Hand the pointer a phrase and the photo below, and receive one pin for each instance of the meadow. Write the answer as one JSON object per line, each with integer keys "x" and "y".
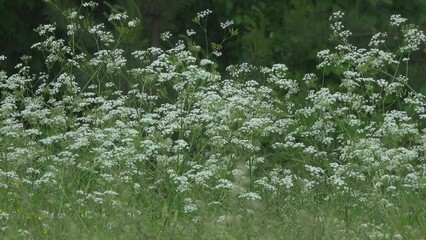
{"x": 158, "y": 143}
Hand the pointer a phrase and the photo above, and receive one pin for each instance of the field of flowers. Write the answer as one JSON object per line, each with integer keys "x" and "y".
{"x": 168, "y": 147}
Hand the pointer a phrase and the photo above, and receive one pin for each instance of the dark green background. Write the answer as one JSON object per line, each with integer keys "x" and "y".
{"x": 271, "y": 31}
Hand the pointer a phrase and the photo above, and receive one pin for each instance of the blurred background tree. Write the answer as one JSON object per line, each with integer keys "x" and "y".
{"x": 17, "y": 21}
{"x": 271, "y": 31}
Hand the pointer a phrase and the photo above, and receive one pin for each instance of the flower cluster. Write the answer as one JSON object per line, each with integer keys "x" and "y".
{"x": 195, "y": 141}
{"x": 204, "y": 13}
{"x": 226, "y": 24}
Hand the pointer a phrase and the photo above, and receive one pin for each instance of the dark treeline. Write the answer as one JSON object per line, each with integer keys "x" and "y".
{"x": 271, "y": 31}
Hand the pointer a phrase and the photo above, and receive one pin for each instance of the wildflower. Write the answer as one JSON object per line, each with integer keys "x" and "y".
{"x": 412, "y": 39}
{"x": 240, "y": 70}
{"x": 337, "y": 26}
{"x": 90, "y": 4}
{"x": 190, "y": 32}
{"x": 327, "y": 58}
{"x": 133, "y": 23}
{"x": 396, "y": 20}
{"x": 226, "y": 24}
{"x": 165, "y": 36}
{"x": 98, "y": 30}
{"x": 72, "y": 15}
{"x": 204, "y": 13}
{"x": 71, "y": 29}
{"x": 250, "y": 196}
{"x": 377, "y": 39}
{"x": 46, "y": 28}
{"x": 205, "y": 62}
{"x": 309, "y": 78}
{"x": 180, "y": 145}
{"x": 118, "y": 16}
{"x": 316, "y": 172}
{"x": 113, "y": 59}
{"x": 217, "y": 53}
{"x": 189, "y": 206}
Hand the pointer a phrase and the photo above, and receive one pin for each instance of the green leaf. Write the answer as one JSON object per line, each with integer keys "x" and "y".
{"x": 373, "y": 2}
{"x": 390, "y": 2}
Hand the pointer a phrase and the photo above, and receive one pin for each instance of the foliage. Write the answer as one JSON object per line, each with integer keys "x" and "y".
{"x": 270, "y": 31}
{"x": 168, "y": 147}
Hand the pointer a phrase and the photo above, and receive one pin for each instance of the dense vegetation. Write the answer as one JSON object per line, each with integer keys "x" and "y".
{"x": 110, "y": 141}
{"x": 270, "y": 31}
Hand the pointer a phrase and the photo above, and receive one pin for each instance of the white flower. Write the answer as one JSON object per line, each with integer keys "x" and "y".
{"x": 190, "y": 32}
{"x": 189, "y": 206}
{"x": 113, "y": 59}
{"x": 250, "y": 196}
{"x": 90, "y": 4}
{"x": 204, "y": 13}
{"x": 309, "y": 78}
{"x": 377, "y": 39}
{"x": 217, "y": 53}
{"x": 118, "y": 16}
{"x": 412, "y": 39}
{"x": 337, "y": 15}
{"x": 226, "y": 24}
{"x": 98, "y": 30}
{"x": 72, "y": 15}
{"x": 316, "y": 172}
{"x": 396, "y": 20}
{"x": 46, "y": 28}
{"x": 205, "y": 62}
{"x": 180, "y": 145}
{"x": 166, "y": 36}
{"x": 133, "y": 22}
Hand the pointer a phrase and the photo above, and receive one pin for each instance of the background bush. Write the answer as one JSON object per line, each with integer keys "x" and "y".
{"x": 270, "y": 31}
